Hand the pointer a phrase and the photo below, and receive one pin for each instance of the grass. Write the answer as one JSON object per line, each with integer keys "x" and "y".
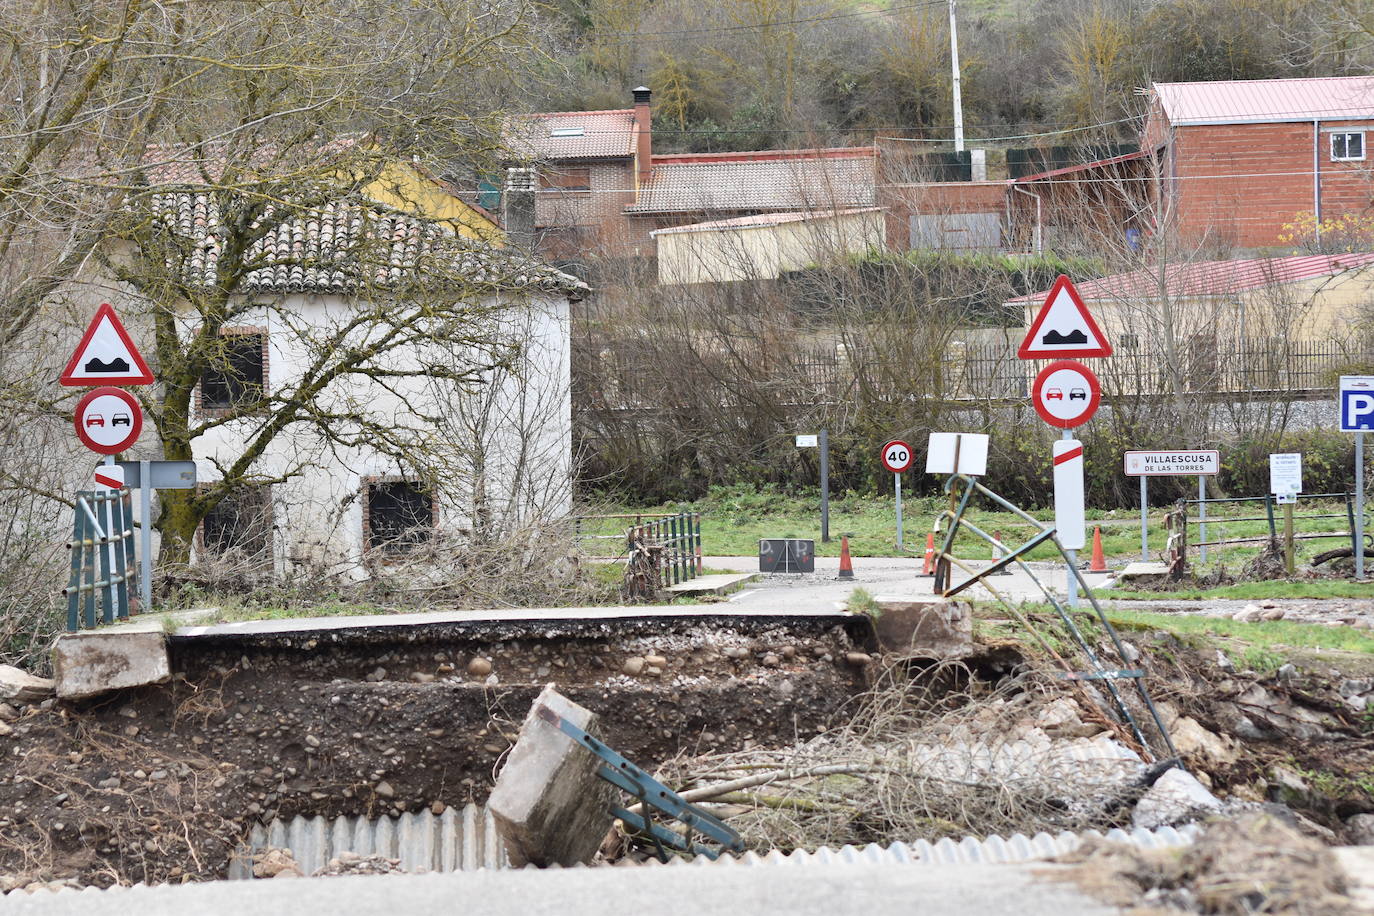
{"x": 735, "y": 518}
{"x": 1265, "y": 634}
{"x": 862, "y": 602}
{"x": 1278, "y": 588}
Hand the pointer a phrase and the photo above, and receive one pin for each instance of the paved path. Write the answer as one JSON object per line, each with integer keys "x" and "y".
{"x": 881, "y": 577}
{"x": 825, "y": 890}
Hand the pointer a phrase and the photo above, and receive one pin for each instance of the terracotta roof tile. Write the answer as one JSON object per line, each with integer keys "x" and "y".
{"x": 573, "y": 134}
{"x": 346, "y": 247}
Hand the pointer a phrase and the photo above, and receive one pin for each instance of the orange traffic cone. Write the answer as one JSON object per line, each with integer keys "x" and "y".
{"x": 1099, "y": 563}
{"x": 928, "y": 565}
{"x": 846, "y": 564}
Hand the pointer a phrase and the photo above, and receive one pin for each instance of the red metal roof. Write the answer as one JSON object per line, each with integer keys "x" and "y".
{"x": 1257, "y": 101}
{"x": 1214, "y": 278}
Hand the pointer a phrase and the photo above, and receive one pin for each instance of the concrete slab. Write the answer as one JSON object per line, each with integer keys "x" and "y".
{"x": 928, "y": 627}
{"x": 98, "y": 661}
{"x": 717, "y": 584}
{"x": 549, "y": 804}
{"x": 1142, "y": 571}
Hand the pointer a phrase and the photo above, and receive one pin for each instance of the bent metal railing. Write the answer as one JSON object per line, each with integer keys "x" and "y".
{"x": 103, "y": 566}
{"x": 659, "y": 550}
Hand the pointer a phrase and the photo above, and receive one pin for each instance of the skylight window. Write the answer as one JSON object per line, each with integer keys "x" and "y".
{"x": 568, "y": 132}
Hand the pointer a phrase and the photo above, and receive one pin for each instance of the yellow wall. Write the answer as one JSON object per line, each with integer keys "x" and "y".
{"x": 763, "y": 252}
{"x": 407, "y": 189}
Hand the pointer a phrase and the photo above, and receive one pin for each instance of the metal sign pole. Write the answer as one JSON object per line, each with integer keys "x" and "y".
{"x": 1144, "y": 519}
{"x": 145, "y": 536}
{"x": 898, "y": 479}
{"x": 825, "y": 486}
{"x": 1071, "y": 578}
{"x": 1202, "y": 518}
{"x": 1359, "y": 505}
{"x": 114, "y": 607}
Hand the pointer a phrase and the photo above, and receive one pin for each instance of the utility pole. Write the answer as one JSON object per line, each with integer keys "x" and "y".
{"x": 954, "y": 67}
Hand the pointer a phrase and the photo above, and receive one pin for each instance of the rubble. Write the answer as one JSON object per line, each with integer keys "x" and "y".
{"x": 22, "y": 687}
{"x": 1176, "y": 798}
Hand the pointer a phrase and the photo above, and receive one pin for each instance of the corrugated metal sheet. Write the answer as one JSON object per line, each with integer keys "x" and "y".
{"x": 457, "y": 840}
{"x": 821, "y": 181}
{"x": 469, "y": 842}
{"x": 1260, "y": 101}
{"x": 995, "y": 850}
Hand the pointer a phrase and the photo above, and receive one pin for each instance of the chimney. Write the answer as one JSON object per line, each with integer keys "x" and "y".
{"x": 518, "y": 208}
{"x": 644, "y": 136}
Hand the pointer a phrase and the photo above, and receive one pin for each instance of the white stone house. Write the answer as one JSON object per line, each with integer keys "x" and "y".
{"x": 399, "y": 453}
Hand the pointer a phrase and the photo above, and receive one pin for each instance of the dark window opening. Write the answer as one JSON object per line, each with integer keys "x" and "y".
{"x": 568, "y": 178}
{"x": 1130, "y": 341}
{"x": 236, "y": 374}
{"x": 400, "y": 515}
{"x": 242, "y": 522}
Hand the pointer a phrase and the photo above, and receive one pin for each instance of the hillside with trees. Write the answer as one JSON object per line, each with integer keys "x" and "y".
{"x": 770, "y": 74}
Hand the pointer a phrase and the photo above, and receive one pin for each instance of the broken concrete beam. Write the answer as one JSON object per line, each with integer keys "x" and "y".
{"x": 930, "y": 627}
{"x": 22, "y": 687}
{"x": 1143, "y": 573}
{"x": 89, "y": 664}
{"x": 550, "y": 806}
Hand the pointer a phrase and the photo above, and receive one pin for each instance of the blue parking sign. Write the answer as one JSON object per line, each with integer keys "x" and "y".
{"x": 1357, "y": 403}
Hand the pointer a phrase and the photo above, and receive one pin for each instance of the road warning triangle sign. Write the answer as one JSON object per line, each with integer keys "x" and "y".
{"x": 106, "y": 355}
{"x": 1063, "y": 327}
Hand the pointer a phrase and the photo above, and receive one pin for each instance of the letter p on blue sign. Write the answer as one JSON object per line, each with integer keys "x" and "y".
{"x": 1357, "y": 403}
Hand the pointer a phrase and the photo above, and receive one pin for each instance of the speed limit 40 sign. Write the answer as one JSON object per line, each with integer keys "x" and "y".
{"x": 897, "y": 456}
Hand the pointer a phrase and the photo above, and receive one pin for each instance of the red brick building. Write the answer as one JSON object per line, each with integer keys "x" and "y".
{"x": 1239, "y": 159}
{"x": 602, "y": 189}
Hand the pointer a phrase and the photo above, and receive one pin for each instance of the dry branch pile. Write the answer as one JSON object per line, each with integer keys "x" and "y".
{"x": 921, "y": 761}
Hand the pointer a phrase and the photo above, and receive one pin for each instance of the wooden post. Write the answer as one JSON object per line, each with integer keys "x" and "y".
{"x": 1288, "y": 558}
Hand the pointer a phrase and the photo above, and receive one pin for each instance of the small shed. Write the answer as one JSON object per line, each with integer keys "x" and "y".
{"x": 764, "y": 245}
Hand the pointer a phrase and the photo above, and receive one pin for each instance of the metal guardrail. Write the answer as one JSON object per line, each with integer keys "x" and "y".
{"x": 103, "y": 563}
{"x": 658, "y": 550}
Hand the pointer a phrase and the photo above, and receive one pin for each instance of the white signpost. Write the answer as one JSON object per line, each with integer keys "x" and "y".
{"x": 1285, "y": 474}
{"x": 897, "y": 457}
{"x": 1066, "y": 394}
{"x": 1357, "y": 416}
{"x": 108, "y": 420}
{"x": 1285, "y": 482}
{"x": 821, "y": 441}
{"x": 1069, "y": 507}
{"x": 1144, "y": 464}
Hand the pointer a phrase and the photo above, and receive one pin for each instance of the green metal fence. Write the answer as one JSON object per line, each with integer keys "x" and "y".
{"x": 672, "y": 541}
{"x": 103, "y": 563}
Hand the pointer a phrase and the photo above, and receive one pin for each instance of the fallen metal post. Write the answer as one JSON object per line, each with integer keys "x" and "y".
{"x": 1047, "y": 534}
{"x": 652, "y": 794}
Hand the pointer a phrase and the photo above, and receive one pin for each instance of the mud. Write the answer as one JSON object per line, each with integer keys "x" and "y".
{"x": 160, "y": 784}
